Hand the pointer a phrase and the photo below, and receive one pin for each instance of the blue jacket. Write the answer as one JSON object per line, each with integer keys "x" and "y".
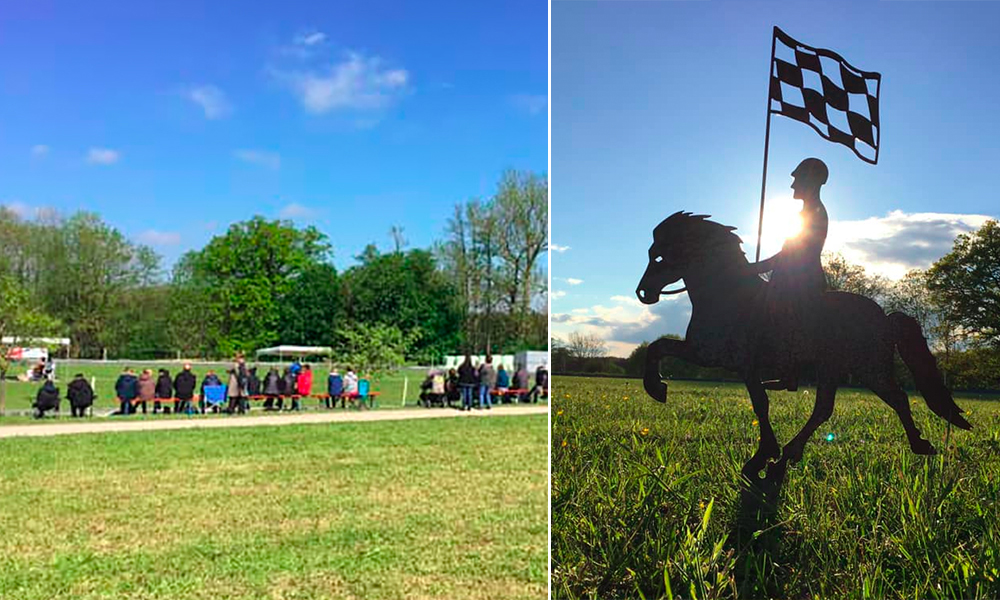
{"x": 335, "y": 385}
{"x": 503, "y": 380}
{"x": 127, "y": 386}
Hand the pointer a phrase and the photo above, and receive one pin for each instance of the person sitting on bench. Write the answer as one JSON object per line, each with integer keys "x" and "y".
{"x": 164, "y": 391}
{"x": 147, "y": 389}
{"x": 46, "y": 399}
{"x": 503, "y": 383}
{"x": 272, "y": 388}
{"x": 350, "y": 383}
{"x": 127, "y": 390}
{"x": 184, "y": 385}
{"x": 80, "y": 395}
{"x": 334, "y": 389}
{"x": 210, "y": 379}
{"x": 303, "y": 385}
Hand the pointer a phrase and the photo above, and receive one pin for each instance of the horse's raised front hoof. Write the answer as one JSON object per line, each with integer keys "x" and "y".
{"x": 922, "y": 446}
{"x": 656, "y": 389}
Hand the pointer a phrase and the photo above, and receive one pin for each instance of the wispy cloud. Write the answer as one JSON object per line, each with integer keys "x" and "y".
{"x": 310, "y": 39}
{"x": 296, "y": 211}
{"x": 556, "y": 294}
{"x": 305, "y": 45}
{"x": 103, "y": 156}
{"x": 573, "y": 281}
{"x": 558, "y": 248}
{"x": 212, "y": 100}
{"x": 152, "y": 237}
{"x": 263, "y": 158}
{"x": 358, "y": 82}
{"x": 532, "y": 104}
{"x": 39, "y": 150}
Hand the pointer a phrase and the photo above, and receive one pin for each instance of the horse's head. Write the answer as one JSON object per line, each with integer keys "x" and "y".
{"x": 680, "y": 242}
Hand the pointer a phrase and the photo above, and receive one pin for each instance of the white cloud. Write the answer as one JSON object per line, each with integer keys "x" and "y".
{"x": 263, "y": 158}
{"x": 532, "y": 104}
{"x": 556, "y": 294}
{"x": 39, "y": 150}
{"x": 310, "y": 39}
{"x": 296, "y": 210}
{"x": 573, "y": 281}
{"x": 152, "y": 237}
{"x": 358, "y": 82}
{"x": 103, "y": 156}
{"x": 626, "y": 323}
{"x": 211, "y": 99}
{"x": 899, "y": 241}
{"x": 558, "y": 248}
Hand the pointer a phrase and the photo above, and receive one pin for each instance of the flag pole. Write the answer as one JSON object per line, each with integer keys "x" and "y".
{"x": 767, "y": 139}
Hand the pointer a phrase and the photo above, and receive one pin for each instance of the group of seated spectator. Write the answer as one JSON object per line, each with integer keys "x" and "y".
{"x": 483, "y": 383}
{"x": 241, "y": 384}
{"x": 79, "y": 393}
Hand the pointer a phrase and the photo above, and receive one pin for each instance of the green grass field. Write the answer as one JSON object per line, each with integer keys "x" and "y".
{"x": 20, "y": 395}
{"x": 452, "y": 508}
{"x": 646, "y": 498}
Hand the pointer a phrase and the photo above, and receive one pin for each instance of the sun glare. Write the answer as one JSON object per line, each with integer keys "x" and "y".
{"x": 781, "y": 222}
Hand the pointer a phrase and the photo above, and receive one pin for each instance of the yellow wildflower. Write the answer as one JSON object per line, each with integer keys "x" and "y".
{"x": 564, "y": 444}
{"x": 558, "y": 412}
{"x": 645, "y": 430}
{"x": 754, "y": 423}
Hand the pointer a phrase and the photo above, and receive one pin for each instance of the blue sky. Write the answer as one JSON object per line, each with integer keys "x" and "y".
{"x": 173, "y": 119}
{"x": 659, "y": 107}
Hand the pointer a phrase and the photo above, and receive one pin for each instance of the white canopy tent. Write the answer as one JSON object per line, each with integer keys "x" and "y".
{"x": 295, "y": 351}
{"x": 32, "y": 348}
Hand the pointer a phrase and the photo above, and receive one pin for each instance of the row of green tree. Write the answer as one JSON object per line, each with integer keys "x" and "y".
{"x": 956, "y": 301}
{"x": 267, "y": 282}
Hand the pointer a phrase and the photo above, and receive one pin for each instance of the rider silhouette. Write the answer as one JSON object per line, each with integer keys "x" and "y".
{"x": 797, "y": 277}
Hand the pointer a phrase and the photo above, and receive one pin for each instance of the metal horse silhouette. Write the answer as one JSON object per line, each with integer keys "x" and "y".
{"x": 755, "y": 327}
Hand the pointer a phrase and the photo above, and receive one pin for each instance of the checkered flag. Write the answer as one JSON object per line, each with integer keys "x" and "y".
{"x": 820, "y": 88}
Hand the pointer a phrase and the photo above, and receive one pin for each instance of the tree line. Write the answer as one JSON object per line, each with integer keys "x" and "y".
{"x": 267, "y": 282}
{"x": 956, "y": 301}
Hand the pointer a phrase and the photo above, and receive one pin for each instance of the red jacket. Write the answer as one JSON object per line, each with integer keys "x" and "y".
{"x": 305, "y": 382}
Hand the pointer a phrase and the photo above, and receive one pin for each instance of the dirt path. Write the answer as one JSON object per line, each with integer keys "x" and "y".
{"x": 238, "y": 421}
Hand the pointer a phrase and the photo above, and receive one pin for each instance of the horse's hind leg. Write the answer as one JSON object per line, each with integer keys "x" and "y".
{"x": 768, "y": 447}
{"x": 894, "y": 396}
{"x": 822, "y": 410}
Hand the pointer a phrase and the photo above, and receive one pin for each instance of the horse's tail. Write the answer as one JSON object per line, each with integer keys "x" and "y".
{"x": 913, "y": 348}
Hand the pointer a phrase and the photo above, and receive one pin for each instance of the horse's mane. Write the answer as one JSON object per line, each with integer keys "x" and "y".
{"x": 685, "y": 227}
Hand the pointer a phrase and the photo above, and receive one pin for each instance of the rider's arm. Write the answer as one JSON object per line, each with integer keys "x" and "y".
{"x": 765, "y": 265}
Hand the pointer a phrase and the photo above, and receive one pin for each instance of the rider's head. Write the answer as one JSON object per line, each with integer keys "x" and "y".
{"x": 809, "y": 176}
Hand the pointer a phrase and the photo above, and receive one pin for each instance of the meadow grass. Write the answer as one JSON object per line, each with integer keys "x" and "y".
{"x": 646, "y": 498}
{"x": 20, "y": 395}
{"x": 451, "y": 508}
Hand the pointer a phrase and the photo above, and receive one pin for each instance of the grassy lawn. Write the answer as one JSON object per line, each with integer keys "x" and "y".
{"x": 420, "y": 509}
{"x": 646, "y": 498}
{"x": 20, "y": 395}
